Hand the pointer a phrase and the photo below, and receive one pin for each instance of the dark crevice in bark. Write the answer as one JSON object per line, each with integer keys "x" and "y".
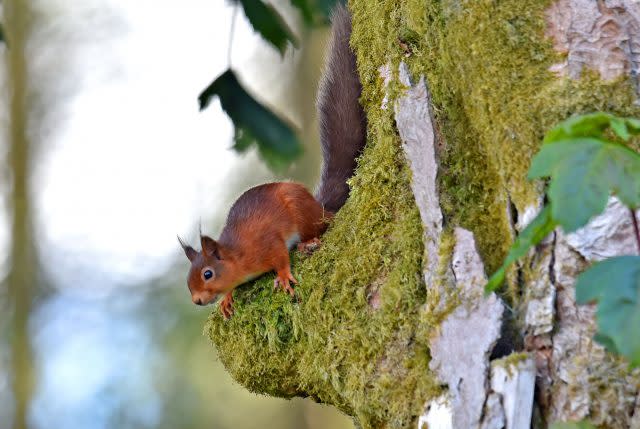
{"x": 636, "y": 229}
{"x": 509, "y": 340}
{"x": 513, "y": 213}
{"x": 552, "y": 260}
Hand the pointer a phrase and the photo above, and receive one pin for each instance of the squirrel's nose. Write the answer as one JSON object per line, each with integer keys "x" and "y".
{"x": 197, "y": 301}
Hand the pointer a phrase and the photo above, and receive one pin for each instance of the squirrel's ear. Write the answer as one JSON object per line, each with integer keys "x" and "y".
{"x": 209, "y": 246}
{"x": 188, "y": 250}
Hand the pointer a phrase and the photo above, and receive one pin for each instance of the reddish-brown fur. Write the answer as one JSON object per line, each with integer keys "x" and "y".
{"x": 264, "y": 218}
{"x": 254, "y": 241}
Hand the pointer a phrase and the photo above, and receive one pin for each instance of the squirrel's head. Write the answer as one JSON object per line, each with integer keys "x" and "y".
{"x": 206, "y": 279}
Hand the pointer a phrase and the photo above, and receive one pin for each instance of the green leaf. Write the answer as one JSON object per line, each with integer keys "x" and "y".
{"x": 619, "y": 126}
{"x": 593, "y": 125}
{"x": 533, "y": 234}
{"x": 634, "y": 124}
{"x": 2, "y": 39}
{"x": 615, "y": 285}
{"x": 589, "y": 125}
{"x": 572, "y": 425}
{"x": 305, "y": 8}
{"x": 316, "y": 11}
{"x": 277, "y": 143}
{"x": 268, "y": 23}
{"x": 584, "y": 172}
{"x": 550, "y": 158}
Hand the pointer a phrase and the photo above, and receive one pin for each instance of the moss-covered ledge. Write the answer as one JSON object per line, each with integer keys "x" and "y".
{"x": 358, "y": 337}
{"x": 350, "y": 339}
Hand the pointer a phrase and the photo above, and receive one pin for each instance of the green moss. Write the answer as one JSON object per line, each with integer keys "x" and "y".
{"x": 442, "y": 298}
{"x": 607, "y": 384}
{"x": 486, "y": 63}
{"x": 332, "y": 345}
{"x": 510, "y": 362}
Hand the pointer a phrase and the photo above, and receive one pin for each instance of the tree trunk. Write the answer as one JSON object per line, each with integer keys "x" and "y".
{"x": 21, "y": 278}
{"x": 458, "y": 96}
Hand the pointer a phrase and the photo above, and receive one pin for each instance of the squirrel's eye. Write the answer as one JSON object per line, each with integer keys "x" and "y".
{"x": 208, "y": 274}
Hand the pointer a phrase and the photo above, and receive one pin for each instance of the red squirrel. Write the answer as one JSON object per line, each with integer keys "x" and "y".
{"x": 268, "y": 220}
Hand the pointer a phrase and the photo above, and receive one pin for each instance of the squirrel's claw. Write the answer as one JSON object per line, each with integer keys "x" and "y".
{"x": 226, "y": 306}
{"x": 283, "y": 280}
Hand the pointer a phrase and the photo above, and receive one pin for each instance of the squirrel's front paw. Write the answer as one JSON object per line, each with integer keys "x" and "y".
{"x": 282, "y": 280}
{"x": 226, "y": 306}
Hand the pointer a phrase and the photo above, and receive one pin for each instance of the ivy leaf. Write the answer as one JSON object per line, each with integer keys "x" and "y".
{"x": 572, "y": 425}
{"x": 615, "y": 285}
{"x": 268, "y": 23}
{"x": 533, "y": 234}
{"x": 277, "y": 143}
{"x": 584, "y": 171}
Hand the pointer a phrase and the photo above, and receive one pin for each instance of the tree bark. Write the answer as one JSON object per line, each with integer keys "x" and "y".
{"x": 574, "y": 377}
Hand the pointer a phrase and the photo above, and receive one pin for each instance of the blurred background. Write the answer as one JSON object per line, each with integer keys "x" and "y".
{"x": 105, "y": 158}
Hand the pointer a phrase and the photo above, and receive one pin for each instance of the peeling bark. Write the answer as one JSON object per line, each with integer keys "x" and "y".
{"x": 416, "y": 128}
{"x": 514, "y": 382}
{"x": 606, "y": 235}
{"x": 587, "y": 382}
{"x": 493, "y": 413}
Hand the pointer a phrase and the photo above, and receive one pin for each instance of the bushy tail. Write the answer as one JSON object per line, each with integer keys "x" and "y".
{"x": 343, "y": 124}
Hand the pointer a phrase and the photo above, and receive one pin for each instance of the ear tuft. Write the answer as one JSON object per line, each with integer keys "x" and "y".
{"x": 209, "y": 246}
{"x": 188, "y": 250}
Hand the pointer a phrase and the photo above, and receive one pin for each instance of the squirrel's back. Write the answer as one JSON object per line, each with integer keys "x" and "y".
{"x": 342, "y": 120}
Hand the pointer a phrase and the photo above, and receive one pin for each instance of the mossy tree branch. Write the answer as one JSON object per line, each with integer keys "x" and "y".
{"x": 362, "y": 335}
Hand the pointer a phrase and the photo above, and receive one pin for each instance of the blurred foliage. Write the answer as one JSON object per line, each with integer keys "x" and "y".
{"x": 276, "y": 140}
{"x": 193, "y": 389}
{"x": 268, "y": 23}
{"x": 273, "y": 28}
{"x": 277, "y": 144}
{"x": 315, "y": 11}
